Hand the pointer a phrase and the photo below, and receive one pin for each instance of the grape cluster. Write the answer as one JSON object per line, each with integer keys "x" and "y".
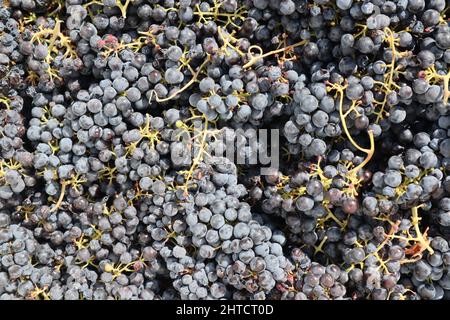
{"x": 112, "y": 113}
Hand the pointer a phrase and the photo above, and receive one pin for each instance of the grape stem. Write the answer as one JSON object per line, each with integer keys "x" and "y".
{"x": 262, "y": 55}
{"x": 61, "y": 197}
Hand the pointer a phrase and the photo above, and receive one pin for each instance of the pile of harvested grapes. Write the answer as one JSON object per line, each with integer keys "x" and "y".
{"x": 116, "y": 114}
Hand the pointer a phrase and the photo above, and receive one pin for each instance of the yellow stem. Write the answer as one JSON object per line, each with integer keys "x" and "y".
{"x": 344, "y": 125}
{"x": 391, "y": 40}
{"x": 61, "y": 197}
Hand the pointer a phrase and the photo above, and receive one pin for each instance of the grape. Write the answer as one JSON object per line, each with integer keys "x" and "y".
{"x": 241, "y": 230}
{"x": 428, "y": 160}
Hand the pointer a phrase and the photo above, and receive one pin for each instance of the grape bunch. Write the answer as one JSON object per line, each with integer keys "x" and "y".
{"x": 115, "y": 116}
